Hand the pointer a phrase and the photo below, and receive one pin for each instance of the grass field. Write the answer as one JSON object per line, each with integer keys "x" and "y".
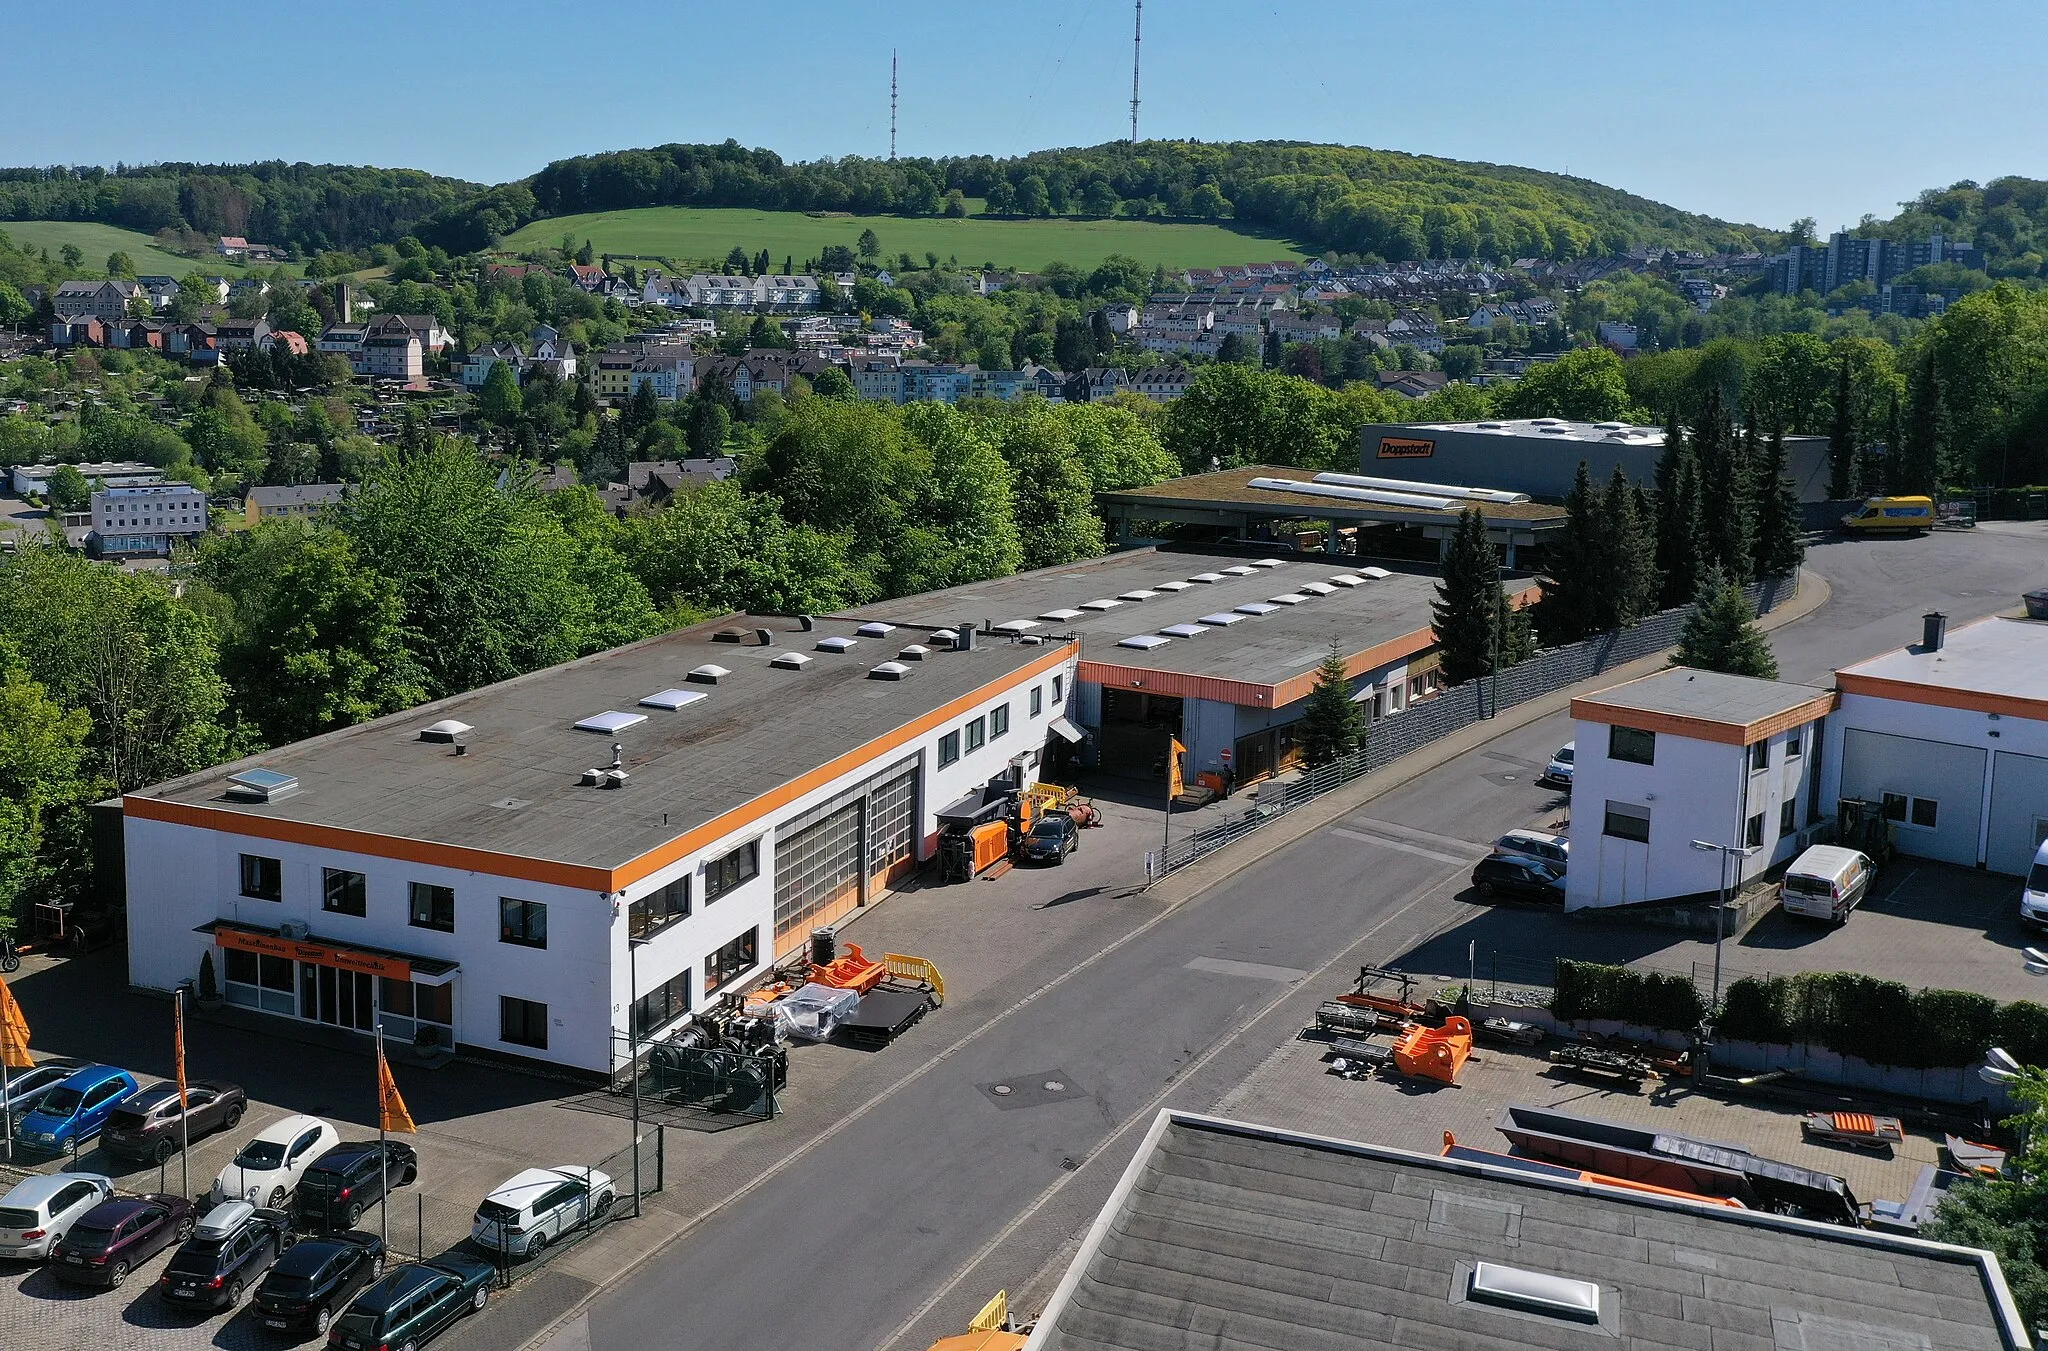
{"x": 96, "y": 241}
{"x": 711, "y": 232}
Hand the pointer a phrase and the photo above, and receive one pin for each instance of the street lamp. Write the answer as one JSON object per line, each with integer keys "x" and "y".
{"x": 1721, "y": 910}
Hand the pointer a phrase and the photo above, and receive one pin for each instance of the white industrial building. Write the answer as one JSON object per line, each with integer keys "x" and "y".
{"x": 1684, "y": 755}
{"x": 146, "y": 519}
{"x": 1951, "y": 736}
{"x": 470, "y": 872}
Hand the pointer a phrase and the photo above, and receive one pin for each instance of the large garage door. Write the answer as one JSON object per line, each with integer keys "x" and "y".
{"x": 2019, "y": 811}
{"x": 1933, "y": 791}
{"x": 818, "y": 852}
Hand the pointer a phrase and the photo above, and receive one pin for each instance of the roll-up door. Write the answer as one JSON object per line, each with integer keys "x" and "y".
{"x": 818, "y": 873}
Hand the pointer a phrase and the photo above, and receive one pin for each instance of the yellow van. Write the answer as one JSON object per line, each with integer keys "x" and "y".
{"x": 1881, "y": 514}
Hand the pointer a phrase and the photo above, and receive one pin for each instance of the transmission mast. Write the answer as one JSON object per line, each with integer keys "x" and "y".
{"x": 1137, "y": 37}
{"x": 892, "y": 105}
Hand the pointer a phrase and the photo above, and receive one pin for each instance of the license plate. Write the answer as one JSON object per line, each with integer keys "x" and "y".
{"x": 183, "y": 1290}
{"x": 74, "y": 1259}
{"x": 275, "y": 1323}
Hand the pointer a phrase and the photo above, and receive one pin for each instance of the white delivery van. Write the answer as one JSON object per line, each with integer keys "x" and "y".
{"x": 2034, "y": 897}
{"x": 1827, "y": 882}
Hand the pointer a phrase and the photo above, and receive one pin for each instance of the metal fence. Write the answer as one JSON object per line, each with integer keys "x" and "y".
{"x": 696, "y": 1086}
{"x": 1458, "y": 707}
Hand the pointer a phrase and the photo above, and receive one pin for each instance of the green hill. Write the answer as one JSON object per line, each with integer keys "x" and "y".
{"x": 97, "y": 241}
{"x": 709, "y": 232}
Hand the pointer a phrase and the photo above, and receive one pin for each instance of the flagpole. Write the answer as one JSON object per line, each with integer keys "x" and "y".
{"x": 383, "y": 1157}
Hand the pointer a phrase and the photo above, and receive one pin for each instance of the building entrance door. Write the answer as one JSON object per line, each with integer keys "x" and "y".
{"x": 338, "y": 998}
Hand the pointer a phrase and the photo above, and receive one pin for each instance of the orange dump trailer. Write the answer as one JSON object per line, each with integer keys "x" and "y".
{"x": 1434, "y": 1052}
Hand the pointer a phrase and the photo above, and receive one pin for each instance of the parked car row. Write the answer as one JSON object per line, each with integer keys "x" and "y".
{"x": 59, "y": 1105}
{"x": 1526, "y": 863}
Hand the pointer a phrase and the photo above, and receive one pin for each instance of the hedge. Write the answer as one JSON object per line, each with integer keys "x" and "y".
{"x": 1646, "y": 998}
{"x": 1882, "y": 1021}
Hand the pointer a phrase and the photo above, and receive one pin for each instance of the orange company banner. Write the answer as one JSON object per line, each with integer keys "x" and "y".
{"x": 319, "y": 954}
{"x": 1406, "y": 448}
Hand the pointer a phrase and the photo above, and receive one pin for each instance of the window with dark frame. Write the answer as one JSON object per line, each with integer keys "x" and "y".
{"x": 730, "y": 870}
{"x": 1760, "y": 755}
{"x": 1632, "y": 745}
{"x": 1626, "y": 821}
{"x": 949, "y": 749}
{"x": 1753, "y": 831}
{"x": 433, "y": 907}
{"x": 1894, "y": 806}
{"x": 1788, "y": 817}
{"x": 522, "y": 1022}
{"x": 732, "y": 961}
{"x": 977, "y": 733}
{"x": 262, "y": 878}
{"x": 663, "y": 1004}
{"x": 343, "y": 892}
{"x": 998, "y": 721}
{"x": 651, "y": 914}
{"x": 1794, "y": 743}
{"x": 1037, "y": 700}
{"x": 524, "y": 923}
{"x": 1925, "y": 812}
{"x": 1057, "y": 697}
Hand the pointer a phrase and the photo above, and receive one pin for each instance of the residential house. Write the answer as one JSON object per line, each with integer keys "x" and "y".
{"x": 1619, "y": 336}
{"x": 936, "y": 382}
{"x": 587, "y": 278}
{"x": 1096, "y": 384}
{"x": 136, "y": 333}
{"x": 243, "y": 335}
{"x": 719, "y": 293}
{"x": 1303, "y": 328}
{"x": 657, "y": 373}
{"x": 232, "y": 246}
{"x": 747, "y": 374}
{"x": 99, "y": 299}
{"x": 1163, "y": 384}
{"x": 302, "y": 500}
{"x": 394, "y": 354}
{"x": 197, "y": 343}
{"x": 555, "y": 358}
{"x": 160, "y": 290}
{"x": 477, "y": 368}
{"x": 1120, "y": 317}
{"x": 79, "y": 331}
{"x": 294, "y": 343}
{"x": 1005, "y": 385}
{"x": 33, "y": 480}
{"x": 781, "y": 295}
{"x": 615, "y": 371}
{"x": 1412, "y": 384}
{"x": 433, "y": 338}
{"x": 345, "y": 341}
{"x": 672, "y": 366}
{"x": 1048, "y": 384}
{"x": 879, "y": 378}
{"x": 145, "y": 520}
{"x": 671, "y": 292}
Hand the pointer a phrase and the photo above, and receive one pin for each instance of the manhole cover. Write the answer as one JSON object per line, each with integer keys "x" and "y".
{"x": 1032, "y": 1090}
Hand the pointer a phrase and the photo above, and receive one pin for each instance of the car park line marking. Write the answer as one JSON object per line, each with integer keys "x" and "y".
{"x": 1223, "y": 966}
{"x": 1402, "y": 845}
{"x": 1398, "y": 831}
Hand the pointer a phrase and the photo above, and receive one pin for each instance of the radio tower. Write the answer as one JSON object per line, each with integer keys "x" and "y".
{"x": 1137, "y": 37}
{"x": 892, "y": 105}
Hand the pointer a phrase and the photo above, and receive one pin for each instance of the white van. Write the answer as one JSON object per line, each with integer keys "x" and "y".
{"x": 2034, "y": 896}
{"x": 1827, "y": 882}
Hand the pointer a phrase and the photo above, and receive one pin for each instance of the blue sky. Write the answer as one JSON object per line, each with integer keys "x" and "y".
{"x": 1752, "y": 112}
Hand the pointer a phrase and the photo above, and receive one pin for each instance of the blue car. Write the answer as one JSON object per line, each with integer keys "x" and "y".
{"x": 75, "y": 1110}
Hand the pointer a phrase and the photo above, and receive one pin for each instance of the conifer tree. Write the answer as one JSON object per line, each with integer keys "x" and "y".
{"x": 1678, "y": 518}
{"x": 1894, "y": 445}
{"x": 1841, "y": 437}
{"x": 1779, "y": 549}
{"x": 1468, "y": 601}
{"x": 1629, "y": 567}
{"x": 1721, "y": 634}
{"x": 1574, "y": 585}
{"x": 1724, "y": 495}
{"x": 1331, "y": 726}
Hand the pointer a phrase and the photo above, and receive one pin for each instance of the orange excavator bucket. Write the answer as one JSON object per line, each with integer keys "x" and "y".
{"x": 1434, "y": 1052}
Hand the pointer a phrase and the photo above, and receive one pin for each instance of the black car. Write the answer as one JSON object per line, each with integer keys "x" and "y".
{"x": 233, "y": 1246}
{"x": 147, "y": 1127}
{"x": 350, "y": 1178}
{"x": 115, "y": 1237}
{"x": 411, "y": 1305}
{"x": 1509, "y": 875}
{"x": 312, "y": 1282}
{"x": 1052, "y": 839}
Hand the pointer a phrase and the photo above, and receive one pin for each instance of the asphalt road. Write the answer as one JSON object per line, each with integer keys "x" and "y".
{"x": 913, "y": 1211}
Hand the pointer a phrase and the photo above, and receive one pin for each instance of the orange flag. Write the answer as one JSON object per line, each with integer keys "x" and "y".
{"x": 391, "y": 1107}
{"x": 178, "y": 1024}
{"x": 13, "y": 1033}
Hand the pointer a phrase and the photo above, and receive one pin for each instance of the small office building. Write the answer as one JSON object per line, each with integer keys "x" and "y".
{"x": 1950, "y": 734}
{"x": 1540, "y": 456}
{"x": 473, "y": 871}
{"x": 1216, "y": 650}
{"x": 1683, "y": 755}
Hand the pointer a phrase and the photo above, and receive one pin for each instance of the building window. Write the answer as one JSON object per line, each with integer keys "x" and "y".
{"x": 949, "y": 749}
{"x": 1631, "y": 744}
{"x": 649, "y": 915}
{"x": 1924, "y": 812}
{"x": 433, "y": 907}
{"x": 1626, "y": 821}
{"x": 1760, "y": 755}
{"x": 262, "y": 878}
{"x": 977, "y": 733}
{"x": 998, "y": 721}
{"x": 1788, "y": 817}
{"x": 723, "y": 874}
{"x": 1794, "y": 742}
{"x": 522, "y": 922}
{"x": 732, "y": 961}
{"x": 662, "y": 1005}
{"x": 1057, "y": 697}
{"x": 1911, "y": 811}
{"x": 1753, "y": 832}
{"x": 343, "y": 892}
{"x": 1037, "y": 700}
{"x": 523, "y": 1022}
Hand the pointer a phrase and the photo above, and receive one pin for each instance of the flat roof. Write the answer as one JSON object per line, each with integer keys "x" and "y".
{"x": 1257, "y": 649}
{"x": 1229, "y": 1236}
{"x": 1230, "y": 489}
{"x": 1992, "y": 665}
{"x": 1707, "y": 705}
{"x": 513, "y": 803}
{"x": 1548, "y": 428}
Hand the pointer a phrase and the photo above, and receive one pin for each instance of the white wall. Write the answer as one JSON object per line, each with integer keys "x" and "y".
{"x": 1695, "y": 791}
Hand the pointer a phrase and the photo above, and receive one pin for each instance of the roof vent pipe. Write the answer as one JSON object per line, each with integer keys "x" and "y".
{"x": 763, "y": 637}
{"x": 618, "y": 755}
{"x": 965, "y": 642}
{"x": 1933, "y": 629}
{"x": 806, "y": 623}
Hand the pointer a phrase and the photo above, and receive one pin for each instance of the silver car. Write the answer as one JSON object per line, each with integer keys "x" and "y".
{"x": 40, "y": 1210}
{"x": 535, "y": 1207}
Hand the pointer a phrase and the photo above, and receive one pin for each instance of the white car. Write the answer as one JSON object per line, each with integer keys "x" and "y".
{"x": 1559, "y": 770}
{"x": 42, "y": 1209}
{"x": 1555, "y": 850}
{"x": 269, "y": 1167}
{"x": 526, "y": 1213}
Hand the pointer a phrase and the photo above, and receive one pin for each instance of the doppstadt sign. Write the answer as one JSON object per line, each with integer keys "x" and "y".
{"x": 1405, "y": 448}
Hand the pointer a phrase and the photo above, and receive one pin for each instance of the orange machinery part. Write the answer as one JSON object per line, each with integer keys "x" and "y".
{"x": 1434, "y": 1052}
{"x": 991, "y": 844}
{"x": 851, "y": 970}
{"x": 1625, "y": 1184}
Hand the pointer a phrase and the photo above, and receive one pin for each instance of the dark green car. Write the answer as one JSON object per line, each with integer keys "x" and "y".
{"x": 413, "y": 1304}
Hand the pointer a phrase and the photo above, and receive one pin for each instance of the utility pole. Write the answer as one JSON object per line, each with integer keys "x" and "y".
{"x": 1137, "y": 38}
{"x": 892, "y": 105}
